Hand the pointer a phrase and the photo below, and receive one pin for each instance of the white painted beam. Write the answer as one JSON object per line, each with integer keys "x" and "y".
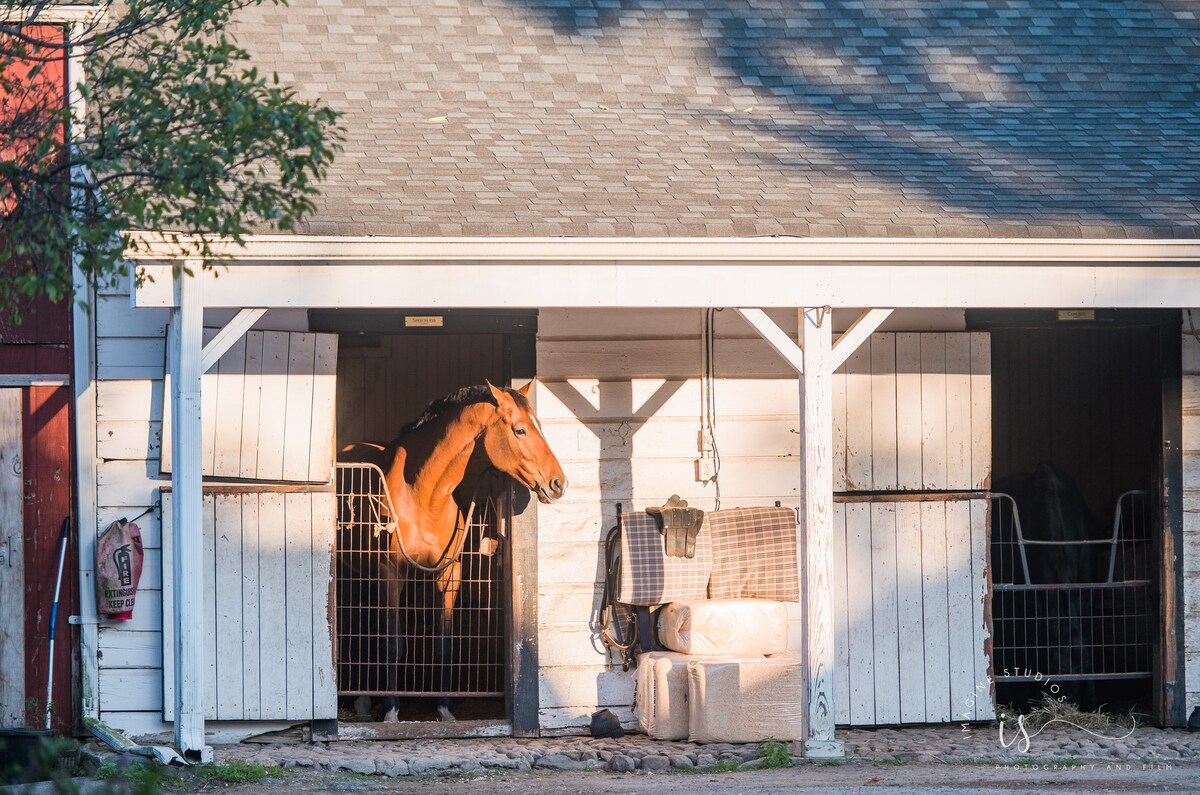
{"x": 187, "y": 518}
{"x": 816, "y": 530}
{"x": 148, "y": 246}
{"x": 671, "y": 284}
{"x": 776, "y": 337}
{"x": 229, "y": 334}
{"x": 857, "y": 334}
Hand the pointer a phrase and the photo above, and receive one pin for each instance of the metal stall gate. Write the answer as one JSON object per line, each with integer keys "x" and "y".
{"x": 468, "y": 662}
{"x": 1072, "y": 610}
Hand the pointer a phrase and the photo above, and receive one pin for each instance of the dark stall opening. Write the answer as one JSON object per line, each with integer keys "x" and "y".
{"x": 1076, "y": 520}
{"x": 396, "y": 667}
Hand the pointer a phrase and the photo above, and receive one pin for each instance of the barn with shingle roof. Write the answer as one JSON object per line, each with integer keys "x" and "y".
{"x": 865, "y": 260}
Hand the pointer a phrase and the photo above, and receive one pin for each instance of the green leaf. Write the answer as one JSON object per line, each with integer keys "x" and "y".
{"x": 183, "y": 134}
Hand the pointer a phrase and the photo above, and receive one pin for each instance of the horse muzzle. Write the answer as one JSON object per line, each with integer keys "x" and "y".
{"x": 552, "y": 491}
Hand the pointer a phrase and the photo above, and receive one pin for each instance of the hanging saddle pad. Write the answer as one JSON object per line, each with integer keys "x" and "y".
{"x": 753, "y": 554}
{"x": 649, "y": 576}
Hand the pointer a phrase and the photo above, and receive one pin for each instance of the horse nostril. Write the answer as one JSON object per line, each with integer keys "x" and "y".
{"x": 558, "y": 486}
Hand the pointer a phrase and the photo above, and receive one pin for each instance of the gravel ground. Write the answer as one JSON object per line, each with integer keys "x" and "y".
{"x": 942, "y": 760}
{"x": 944, "y": 744}
{"x": 1063, "y": 747}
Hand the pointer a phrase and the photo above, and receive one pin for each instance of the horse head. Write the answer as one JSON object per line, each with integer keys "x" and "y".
{"x": 515, "y": 445}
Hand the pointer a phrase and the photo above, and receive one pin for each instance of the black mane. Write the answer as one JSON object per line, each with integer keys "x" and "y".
{"x": 465, "y": 396}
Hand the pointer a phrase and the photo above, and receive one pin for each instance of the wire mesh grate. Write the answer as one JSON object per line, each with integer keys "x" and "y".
{"x": 1072, "y": 610}
{"x": 390, "y": 638}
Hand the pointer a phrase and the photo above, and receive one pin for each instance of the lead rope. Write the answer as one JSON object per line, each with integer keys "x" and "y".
{"x": 611, "y": 631}
{"x": 460, "y": 532}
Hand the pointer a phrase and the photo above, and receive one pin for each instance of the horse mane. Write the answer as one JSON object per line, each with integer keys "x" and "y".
{"x": 465, "y": 396}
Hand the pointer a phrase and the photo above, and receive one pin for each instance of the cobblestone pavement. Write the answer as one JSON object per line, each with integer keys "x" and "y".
{"x": 949, "y": 744}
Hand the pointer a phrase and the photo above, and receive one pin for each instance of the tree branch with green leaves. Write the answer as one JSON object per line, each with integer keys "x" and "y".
{"x": 182, "y": 134}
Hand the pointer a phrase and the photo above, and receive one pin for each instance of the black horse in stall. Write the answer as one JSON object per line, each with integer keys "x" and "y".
{"x": 1050, "y": 631}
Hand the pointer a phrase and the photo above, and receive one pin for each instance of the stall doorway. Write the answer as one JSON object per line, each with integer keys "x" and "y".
{"x": 390, "y": 367}
{"x": 1077, "y": 519}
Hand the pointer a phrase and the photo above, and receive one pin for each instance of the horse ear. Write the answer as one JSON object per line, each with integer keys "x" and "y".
{"x": 498, "y": 395}
{"x": 524, "y": 391}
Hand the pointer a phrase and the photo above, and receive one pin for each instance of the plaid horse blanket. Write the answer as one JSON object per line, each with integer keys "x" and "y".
{"x": 740, "y": 553}
{"x": 649, "y": 576}
{"x": 754, "y": 554}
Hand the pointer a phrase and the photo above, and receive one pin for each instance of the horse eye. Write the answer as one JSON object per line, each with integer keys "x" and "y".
{"x": 519, "y": 431}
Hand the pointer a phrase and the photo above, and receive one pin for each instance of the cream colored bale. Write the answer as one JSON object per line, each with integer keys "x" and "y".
{"x": 661, "y": 698}
{"x": 746, "y": 701}
{"x": 726, "y": 627}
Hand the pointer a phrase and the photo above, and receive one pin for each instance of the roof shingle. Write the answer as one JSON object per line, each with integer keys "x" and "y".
{"x": 898, "y": 118}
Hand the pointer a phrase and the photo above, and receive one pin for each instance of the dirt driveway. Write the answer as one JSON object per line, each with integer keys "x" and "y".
{"x": 867, "y": 777}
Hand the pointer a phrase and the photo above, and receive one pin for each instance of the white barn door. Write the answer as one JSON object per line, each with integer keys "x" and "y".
{"x": 268, "y": 415}
{"x": 267, "y": 409}
{"x": 912, "y": 460}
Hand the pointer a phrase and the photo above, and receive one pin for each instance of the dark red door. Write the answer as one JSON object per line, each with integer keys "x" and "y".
{"x": 46, "y": 470}
{"x": 35, "y": 360}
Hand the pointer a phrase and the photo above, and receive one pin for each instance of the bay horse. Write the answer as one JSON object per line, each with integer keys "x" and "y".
{"x": 454, "y": 440}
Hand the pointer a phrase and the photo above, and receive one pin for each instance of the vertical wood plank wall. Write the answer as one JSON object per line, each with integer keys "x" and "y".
{"x": 46, "y": 473}
{"x": 912, "y": 412}
{"x": 267, "y": 588}
{"x": 1191, "y": 506}
{"x": 619, "y": 397}
{"x": 1085, "y": 399}
{"x": 12, "y": 568}
{"x": 386, "y": 381}
{"x": 130, "y": 356}
{"x": 267, "y": 409}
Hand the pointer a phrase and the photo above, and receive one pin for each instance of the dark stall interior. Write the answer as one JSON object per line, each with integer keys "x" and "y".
{"x": 1077, "y": 429}
{"x": 391, "y": 365}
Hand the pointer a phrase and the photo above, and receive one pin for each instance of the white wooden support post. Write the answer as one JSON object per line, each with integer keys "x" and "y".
{"x": 83, "y": 384}
{"x": 816, "y": 540}
{"x": 187, "y": 516}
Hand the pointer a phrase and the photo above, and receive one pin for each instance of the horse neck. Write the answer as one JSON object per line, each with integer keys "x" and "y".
{"x": 438, "y": 454}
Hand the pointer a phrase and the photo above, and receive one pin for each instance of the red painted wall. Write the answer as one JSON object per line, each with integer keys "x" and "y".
{"x": 46, "y": 467}
{"x": 41, "y": 345}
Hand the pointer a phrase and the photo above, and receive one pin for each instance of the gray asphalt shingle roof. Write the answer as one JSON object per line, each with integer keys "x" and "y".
{"x": 952, "y": 118}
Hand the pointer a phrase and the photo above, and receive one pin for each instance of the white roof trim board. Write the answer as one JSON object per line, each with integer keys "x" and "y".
{"x": 296, "y": 271}
{"x": 157, "y": 246}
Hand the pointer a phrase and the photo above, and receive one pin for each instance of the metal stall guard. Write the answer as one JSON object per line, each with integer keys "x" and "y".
{"x": 371, "y": 627}
{"x": 1072, "y": 610}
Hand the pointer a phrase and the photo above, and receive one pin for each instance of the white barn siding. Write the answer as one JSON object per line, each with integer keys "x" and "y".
{"x": 619, "y": 397}
{"x": 130, "y": 349}
{"x": 130, "y": 356}
{"x": 1191, "y": 506}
